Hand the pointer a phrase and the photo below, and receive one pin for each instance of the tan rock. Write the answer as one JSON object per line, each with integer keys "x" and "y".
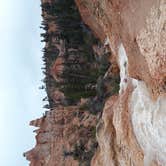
{"x": 131, "y": 131}
{"x": 59, "y": 130}
{"x": 57, "y": 68}
{"x": 138, "y": 27}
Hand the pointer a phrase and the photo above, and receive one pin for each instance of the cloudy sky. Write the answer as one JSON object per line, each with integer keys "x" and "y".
{"x": 20, "y": 77}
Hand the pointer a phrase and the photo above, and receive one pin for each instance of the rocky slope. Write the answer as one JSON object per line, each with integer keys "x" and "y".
{"x": 130, "y": 128}
{"x": 61, "y": 135}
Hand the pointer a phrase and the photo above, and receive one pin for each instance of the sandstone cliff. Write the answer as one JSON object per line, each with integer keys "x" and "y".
{"x": 132, "y": 131}
{"x": 130, "y": 128}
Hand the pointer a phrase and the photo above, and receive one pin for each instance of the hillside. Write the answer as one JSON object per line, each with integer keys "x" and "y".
{"x": 105, "y": 78}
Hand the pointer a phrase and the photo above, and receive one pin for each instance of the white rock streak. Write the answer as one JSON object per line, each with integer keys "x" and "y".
{"x": 148, "y": 116}
{"x": 107, "y": 41}
{"x": 149, "y": 123}
{"x": 123, "y": 63}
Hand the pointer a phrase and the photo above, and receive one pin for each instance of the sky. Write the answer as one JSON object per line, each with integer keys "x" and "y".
{"x": 20, "y": 77}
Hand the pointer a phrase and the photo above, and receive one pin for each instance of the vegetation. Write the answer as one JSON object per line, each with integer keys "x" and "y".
{"x": 81, "y": 153}
{"x": 83, "y": 74}
{"x": 80, "y": 72}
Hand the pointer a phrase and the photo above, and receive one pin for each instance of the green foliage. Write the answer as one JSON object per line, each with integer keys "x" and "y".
{"x": 81, "y": 154}
{"x": 77, "y": 78}
{"x": 115, "y": 82}
{"x": 84, "y": 106}
{"x": 83, "y": 75}
{"x": 80, "y": 78}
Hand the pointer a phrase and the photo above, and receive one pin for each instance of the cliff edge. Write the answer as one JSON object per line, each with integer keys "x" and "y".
{"x": 114, "y": 113}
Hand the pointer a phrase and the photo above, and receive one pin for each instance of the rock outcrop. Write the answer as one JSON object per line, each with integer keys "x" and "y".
{"x": 130, "y": 130}
{"x": 59, "y": 131}
{"x": 140, "y": 26}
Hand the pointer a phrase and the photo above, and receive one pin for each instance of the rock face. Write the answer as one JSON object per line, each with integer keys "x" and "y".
{"x": 59, "y": 130}
{"x": 140, "y": 26}
{"x": 131, "y": 129}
